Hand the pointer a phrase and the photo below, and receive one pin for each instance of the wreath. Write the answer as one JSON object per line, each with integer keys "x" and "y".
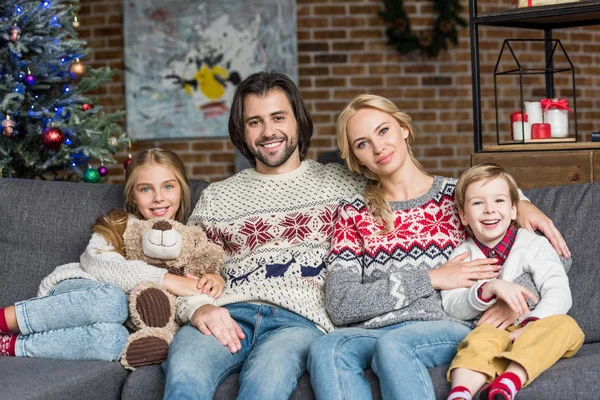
{"x": 430, "y": 41}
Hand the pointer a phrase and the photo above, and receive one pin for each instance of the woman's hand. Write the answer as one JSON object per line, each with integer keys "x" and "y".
{"x": 210, "y": 284}
{"x": 216, "y": 321}
{"x": 513, "y": 294}
{"x": 531, "y": 218}
{"x": 181, "y": 285}
{"x": 458, "y": 274}
{"x": 499, "y": 315}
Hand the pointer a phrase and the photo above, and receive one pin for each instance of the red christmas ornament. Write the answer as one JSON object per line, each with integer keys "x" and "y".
{"x": 52, "y": 138}
{"x": 86, "y": 107}
{"x": 127, "y": 162}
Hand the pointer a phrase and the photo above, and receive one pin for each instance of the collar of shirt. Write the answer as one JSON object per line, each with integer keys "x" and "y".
{"x": 502, "y": 249}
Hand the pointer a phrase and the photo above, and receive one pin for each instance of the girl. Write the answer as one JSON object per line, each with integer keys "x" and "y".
{"x": 81, "y": 307}
{"x": 388, "y": 261}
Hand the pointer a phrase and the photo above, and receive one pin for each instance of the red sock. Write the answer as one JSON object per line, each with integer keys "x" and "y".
{"x": 3, "y": 324}
{"x": 505, "y": 387}
{"x": 460, "y": 392}
{"x": 7, "y": 344}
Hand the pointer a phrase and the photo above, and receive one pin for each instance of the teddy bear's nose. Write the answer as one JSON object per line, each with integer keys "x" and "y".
{"x": 162, "y": 226}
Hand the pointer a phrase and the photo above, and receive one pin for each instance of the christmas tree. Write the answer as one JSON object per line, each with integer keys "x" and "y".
{"x": 50, "y": 128}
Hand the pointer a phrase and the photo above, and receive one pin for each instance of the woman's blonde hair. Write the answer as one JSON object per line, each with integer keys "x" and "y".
{"x": 484, "y": 172}
{"x": 374, "y": 197}
{"x": 112, "y": 225}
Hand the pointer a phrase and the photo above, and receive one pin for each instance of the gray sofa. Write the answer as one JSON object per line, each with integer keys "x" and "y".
{"x": 45, "y": 224}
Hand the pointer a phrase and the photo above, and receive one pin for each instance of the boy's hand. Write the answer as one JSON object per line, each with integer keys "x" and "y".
{"x": 498, "y": 315}
{"x": 513, "y": 294}
{"x": 210, "y": 284}
{"x": 514, "y": 335}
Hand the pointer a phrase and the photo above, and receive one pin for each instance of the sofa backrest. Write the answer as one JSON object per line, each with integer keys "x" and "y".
{"x": 44, "y": 224}
{"x": 575, "y": 210}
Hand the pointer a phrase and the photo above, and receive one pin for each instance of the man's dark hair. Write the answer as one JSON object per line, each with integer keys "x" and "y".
{"x": 260, "y": 84}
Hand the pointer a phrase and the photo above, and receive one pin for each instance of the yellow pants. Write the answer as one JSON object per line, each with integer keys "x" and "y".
{"x": 542, "y": 343}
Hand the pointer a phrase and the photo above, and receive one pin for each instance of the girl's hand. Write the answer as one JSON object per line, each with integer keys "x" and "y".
{"x": 514, "y": 335}
{"x": 531, "y": 218}
{"x": 181, "y": 285}
{"x": 210, "y": 284}
{"x": 514, "y": 295}
{"x": 458, "y": 274}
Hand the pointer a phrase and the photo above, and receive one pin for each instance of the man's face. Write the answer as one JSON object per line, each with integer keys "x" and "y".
{"x": 271, "y": 132}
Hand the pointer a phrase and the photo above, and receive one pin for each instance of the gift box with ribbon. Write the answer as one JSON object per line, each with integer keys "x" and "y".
{"x": 533, "y": 3}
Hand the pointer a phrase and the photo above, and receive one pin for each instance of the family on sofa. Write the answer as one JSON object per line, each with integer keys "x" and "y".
{"x": 310, "y": 247}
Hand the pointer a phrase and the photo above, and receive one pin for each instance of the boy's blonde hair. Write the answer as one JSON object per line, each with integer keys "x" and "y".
{"x": 484, "y": 172}
{"x": 112, "y": 225}
{"x": 374, "y": 197}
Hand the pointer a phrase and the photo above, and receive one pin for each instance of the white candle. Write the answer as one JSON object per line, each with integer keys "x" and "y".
{"x": 534, "y": 110}
{"x": 521, "y": 129}
{"x": 559, "y": 122}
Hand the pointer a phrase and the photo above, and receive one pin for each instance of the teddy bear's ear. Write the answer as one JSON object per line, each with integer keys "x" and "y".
{"x": 133, "y": 239}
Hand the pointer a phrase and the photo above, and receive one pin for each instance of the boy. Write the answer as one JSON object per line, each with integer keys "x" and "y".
{"x": 486, "y": 197}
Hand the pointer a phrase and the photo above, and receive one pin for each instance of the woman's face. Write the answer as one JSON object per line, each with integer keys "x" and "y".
{"x": 378, "y": 141}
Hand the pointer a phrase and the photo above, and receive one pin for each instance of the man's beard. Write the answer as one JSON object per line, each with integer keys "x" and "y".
{"x": 273, "y": 162}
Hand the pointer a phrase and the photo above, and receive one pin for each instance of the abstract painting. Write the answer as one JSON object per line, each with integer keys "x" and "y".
{"x": 184, "y": 59}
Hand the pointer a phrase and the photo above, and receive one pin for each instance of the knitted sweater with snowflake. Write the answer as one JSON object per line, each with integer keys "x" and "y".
{"x": 376, "y": 280}
{"x": 276, "y": 231}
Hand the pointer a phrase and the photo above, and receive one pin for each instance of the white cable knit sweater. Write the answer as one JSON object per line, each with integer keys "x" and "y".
{"x": 98, "y": 262}
{"x": 276, "y": 231}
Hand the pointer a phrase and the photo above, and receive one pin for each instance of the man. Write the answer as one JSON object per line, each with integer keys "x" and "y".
{"x": 275, "y": 223}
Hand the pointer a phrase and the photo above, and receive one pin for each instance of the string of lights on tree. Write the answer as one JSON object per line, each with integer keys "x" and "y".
{"x": 50, "y": 128}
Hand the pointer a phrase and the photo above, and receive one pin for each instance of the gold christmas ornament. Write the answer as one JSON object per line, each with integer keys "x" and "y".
{"x": 112, "y": 141}
{"x": 75, "y": 22}
{"x": 77, "y": 69}
{"x": 15, "y": 33}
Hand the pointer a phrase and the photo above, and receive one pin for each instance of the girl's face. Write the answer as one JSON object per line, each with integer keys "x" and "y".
{"x": 378, "y": 141}
{"x": 156, "y": 192}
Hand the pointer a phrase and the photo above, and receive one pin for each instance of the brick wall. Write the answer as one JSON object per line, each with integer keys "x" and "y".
{"x": 342, "y": 52}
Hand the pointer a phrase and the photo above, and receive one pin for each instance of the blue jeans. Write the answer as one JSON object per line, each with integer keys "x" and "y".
{"x": 272, "y": 358}
{"x": 79, "y": 319}
{"x": 398, "y": 354}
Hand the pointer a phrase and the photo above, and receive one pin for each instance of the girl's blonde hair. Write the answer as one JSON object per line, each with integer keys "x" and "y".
{"x": 374, "y": 197}
{"x": 112, "y": 225}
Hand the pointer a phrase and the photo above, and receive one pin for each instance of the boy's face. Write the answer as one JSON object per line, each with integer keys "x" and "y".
{"x": 488, "y": 210}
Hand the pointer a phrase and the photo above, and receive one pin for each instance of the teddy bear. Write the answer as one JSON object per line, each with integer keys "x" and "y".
{"x": 180, "y": 249}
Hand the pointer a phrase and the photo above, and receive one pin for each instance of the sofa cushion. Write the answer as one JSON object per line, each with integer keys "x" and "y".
{"x": 575, "y": 211}
{"x": 146, "y": 383}
{"x": 46, "y": 224}
{"x": 44, "y": 379}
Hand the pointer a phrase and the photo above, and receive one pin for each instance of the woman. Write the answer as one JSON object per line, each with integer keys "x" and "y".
{"x": 388, "y": 262}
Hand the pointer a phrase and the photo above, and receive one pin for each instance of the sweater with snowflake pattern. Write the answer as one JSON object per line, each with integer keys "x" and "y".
{"x": 375, "y": 280}
{"x": 276, "y": 231}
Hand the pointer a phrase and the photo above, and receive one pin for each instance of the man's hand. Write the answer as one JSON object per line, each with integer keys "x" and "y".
{"x": 531, "y": 218}
{"x": 499, "y": 315}
{"x": 216, "y": 321}
{"x": 457, "y": 273}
